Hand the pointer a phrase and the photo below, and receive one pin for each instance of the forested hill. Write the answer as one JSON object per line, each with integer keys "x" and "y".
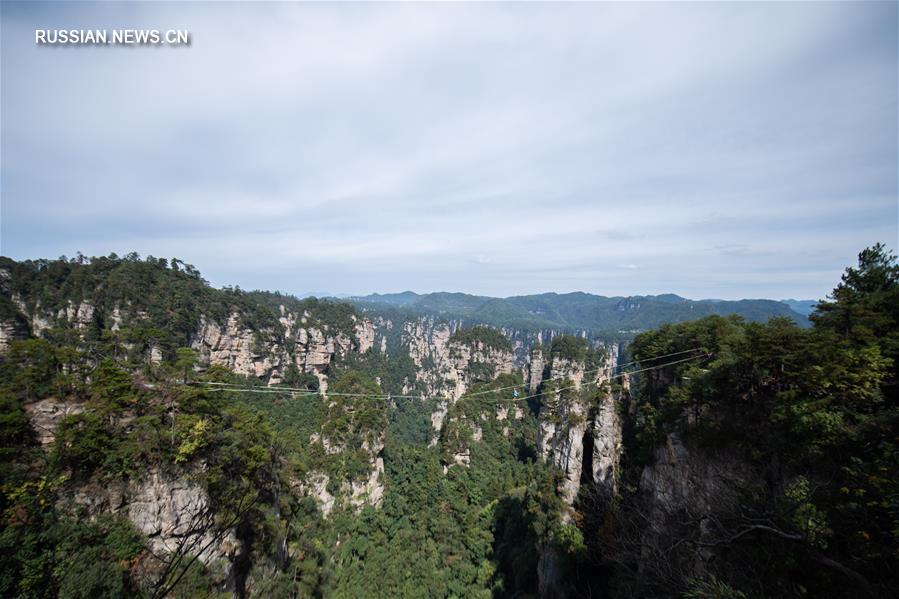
{"x": 160, "y": 438}
{"x": 578, "y": 311}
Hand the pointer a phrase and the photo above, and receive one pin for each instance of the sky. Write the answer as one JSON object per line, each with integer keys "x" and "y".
{"x": 725, "y": 150}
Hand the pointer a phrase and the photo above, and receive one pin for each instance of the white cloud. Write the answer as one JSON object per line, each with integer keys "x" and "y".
{"x": 726, "y": 149}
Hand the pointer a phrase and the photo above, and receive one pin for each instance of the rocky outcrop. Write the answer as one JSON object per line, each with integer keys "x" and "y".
{"x": 580, "y": 439}
{"x": 314, "y": 353}
{"x": 562, "y": 426}
{"x": 365, "y": 336}
{"x": 535, "y": 370}
{"x": 11, "y": 330}
{"x": 355, "y": 493}
{"x": 427, "y": 343}
{"x": 682, "y": 491}
{"x": 37, "y": 320}
{"x": 467, "y": 425}
{"x": 263, "y": 353}
{"x": 174, "y": 512}
{"x": 477, "y": 359}
{"x": 73, "y": 315}
{"x": 78, "y": 316}
{"x": 355, "y": 435}
{"x": 458, "y": 440}
{"x": 236, "y": 347}
{"x": 447, "y": 367}
{"x": 315, "y": 485}
{"x": 371, "y": 490}
{"x": 605, "y": 426}
{"x": 45, "y": 415}
{"x": 171, "y": 510}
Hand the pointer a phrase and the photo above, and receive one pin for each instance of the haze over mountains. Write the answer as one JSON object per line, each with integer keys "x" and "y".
{"x": 581, "y": 311}
{"x": 805, "y": 307}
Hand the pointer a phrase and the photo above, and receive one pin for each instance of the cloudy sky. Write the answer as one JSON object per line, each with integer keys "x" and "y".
{"x": 711, "y": 150}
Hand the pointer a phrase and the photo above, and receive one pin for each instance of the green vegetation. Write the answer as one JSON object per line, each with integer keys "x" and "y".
{"x": 577, "y": 349}
{"x": 119, "y": 430}
{"x": 487, "y": 337}
{"x": 611, "y": 317}
{"x": 51, "y": 555}
{"x": 797, "y": 427}
{"x": 569, "y": 347}
{"x": 813, "y": 415}
{"x": 150, "y": 302}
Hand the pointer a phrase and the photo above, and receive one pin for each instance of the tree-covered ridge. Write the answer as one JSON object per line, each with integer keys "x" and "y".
{"x": 121, "y": 426}
{"x": 569, "y": 347}
{"x": 159, "y": 301}
{"x": 574, "y": 311}
{"x": 764, "y": 465}
{"x": 487, "y": 337}
{"x": 578, "y": 350}
{"x": 810, "y": 417}
{"x": 248, "y": 452}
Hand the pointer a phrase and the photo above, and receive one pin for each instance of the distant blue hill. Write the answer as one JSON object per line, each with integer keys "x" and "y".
{"x": 805, "y": 307}
{"x": 578, "y": 310}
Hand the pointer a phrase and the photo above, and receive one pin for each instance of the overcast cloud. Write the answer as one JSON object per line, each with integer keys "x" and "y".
{"x": 711, "y": 150}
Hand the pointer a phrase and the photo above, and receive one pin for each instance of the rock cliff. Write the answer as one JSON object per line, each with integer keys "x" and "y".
{"x": 45, "y": 414}
{"x": 170, "y": 508}
{"x": 11, "y": 330}
{"x": 264, "y": 353}
{"x": 172, "y": 511}
{"x": 682, "y": 491}
{"x": 356, "y": 493}
{"x": 579, "y": 431}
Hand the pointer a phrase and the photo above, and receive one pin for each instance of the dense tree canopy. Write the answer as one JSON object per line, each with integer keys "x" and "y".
{"x": 814, "y": 413}
{"x": 804, "y": 421}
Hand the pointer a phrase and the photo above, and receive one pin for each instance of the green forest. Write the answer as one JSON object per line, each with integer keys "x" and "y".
{"x": 574, "y": 311}
{"x": 765, "y": 465}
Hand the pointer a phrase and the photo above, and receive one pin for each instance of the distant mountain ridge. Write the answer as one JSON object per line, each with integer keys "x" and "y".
{"x": 805, "y": 307}
{"x": 578, "y": 310}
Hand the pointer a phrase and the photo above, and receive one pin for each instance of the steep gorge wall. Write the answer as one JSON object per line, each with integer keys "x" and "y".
{"x": 264, "y": 354}
{"x": 580, "y": 438}
{"x": 684, "y": 492}
{"x": 444, "y": 364}
{"x": 170, "y": 508}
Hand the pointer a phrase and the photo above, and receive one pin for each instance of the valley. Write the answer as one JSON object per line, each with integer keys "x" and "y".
{"x": 165, "y": 438}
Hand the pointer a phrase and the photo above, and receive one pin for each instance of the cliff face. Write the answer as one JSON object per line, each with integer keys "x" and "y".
{"x": 535, "y": 370}
{"x": 45, "y": 414}
{"x": 443, "y": 367}
{"x": 427, "y": 344}
{"x": 25, "y": 322}
{"x": 681, "y": 492}
{"x": 11, "y": 330}
{"x": 581, "y": 438}
{"x": 355, "y": 494}
{"x": 171, "y": 510}
{"x": 236, "y": 348}
{"x": 607, "y": 442}
{"x": 263, "y": 353}
{"x": 449, "y": 367}
{"x": 295, "y": 337}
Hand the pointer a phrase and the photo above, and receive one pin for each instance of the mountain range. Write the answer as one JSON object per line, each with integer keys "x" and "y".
{"x": 580, "y": 311}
